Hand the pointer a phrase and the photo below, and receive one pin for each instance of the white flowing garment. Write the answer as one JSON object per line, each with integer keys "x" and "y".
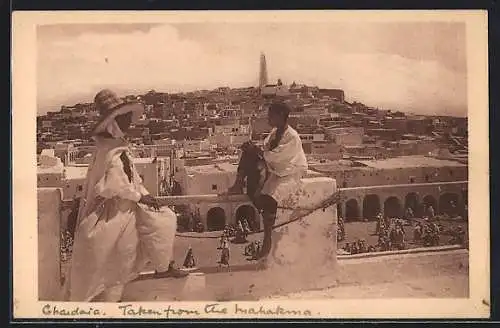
{"x": 287, "y": 164}
{"x": 115, "y": 236}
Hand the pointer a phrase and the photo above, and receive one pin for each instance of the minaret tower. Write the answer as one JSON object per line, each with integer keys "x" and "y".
{"x": 263, "y": 71}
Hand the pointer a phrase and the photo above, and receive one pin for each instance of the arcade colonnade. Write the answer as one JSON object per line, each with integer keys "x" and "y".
{"x": 393, "y": 200}
{"x": 216, "y": 216}
{"x": 359, "y": 203}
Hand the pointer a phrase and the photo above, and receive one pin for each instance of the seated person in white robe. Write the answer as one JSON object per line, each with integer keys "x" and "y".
{"x": 115, "y": 236}
{"x": 286, "y": 164}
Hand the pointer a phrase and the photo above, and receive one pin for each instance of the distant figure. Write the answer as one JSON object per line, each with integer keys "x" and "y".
{"x": 347, "y": 247}
{"x": 409, "y": 213}
{"x": 417, "y": 232}
{"x": 399, "y": 223}
{"x": 252, "y": 249}
{"x": 199, "y": 227}
{"x": 430, "y": 212}
{"x": 397, "y": 238}
{"x": 453, "y": 209}
{"x": 460, "y": 235}
{"x": 362, "y": 246}
{"x": 340, "y": 233}
{"x": 249, "y": 249}
{"x": 354, "y": 248}
{"x": 380, "y": 224}
{"x": 229, "y": 231}
{"x": 222, "y": 239}
{"x": 431, "y": 234}
{"x": 246, "y": 226}
{"x": 189, "y": 261}
{"x": 387, "y": 221}
{"x": 340, "y": 229}
{"x": 224, "y": 255}
{"x": 241, "y": 234}
{"x": 383, "y": 242}
{"x": 258, "y": 246}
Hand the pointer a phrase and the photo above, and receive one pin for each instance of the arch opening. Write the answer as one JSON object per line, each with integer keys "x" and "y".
{"x": 248, "y": 212}
{"x": 216, "y": 219}
{"x": 428, "y": 202}
{"x": 371, "y": 207}
{"x": 351, "y": 210}
{"x": 411, "y": 202}
{"x": 392, "y": 207}
{"x": 448, "y": 204}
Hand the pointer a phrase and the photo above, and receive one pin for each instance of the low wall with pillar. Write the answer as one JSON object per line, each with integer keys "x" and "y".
{"x": 49, "y": 235}
{"x": 303, "y": 254}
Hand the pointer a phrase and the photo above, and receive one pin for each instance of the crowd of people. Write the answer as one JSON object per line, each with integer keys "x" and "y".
{"x": 359, "y": 246}
{"x": 340, "y": 230}
{"x": 188, "y": 222}
{"x": 392, "y": 235}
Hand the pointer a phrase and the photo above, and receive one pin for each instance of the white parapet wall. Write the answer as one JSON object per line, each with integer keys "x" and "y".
{"x": 303, "y": 256}
{"x": 49, "y": 235}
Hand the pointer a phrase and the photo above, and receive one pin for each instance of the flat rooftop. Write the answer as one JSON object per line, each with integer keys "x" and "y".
{"x": 56, "y": 169}
{"x": 143, "y": 160}
{"x": 75, "y": 172}
{"x": 409, "y": 162}
{"x": 389, "y": 163}
{"x": 223, "y": 167}
{"x": 226, "y": 167}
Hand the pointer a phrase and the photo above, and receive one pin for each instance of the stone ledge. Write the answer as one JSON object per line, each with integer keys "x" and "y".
{"x": 401, "y": 252}
{"x": 390, "y": 276}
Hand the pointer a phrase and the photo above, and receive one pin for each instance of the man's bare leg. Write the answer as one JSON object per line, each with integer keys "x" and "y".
{"x": 269, "y": 220}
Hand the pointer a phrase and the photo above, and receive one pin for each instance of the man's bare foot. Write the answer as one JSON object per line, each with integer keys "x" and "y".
{"x": 172, "y": 272}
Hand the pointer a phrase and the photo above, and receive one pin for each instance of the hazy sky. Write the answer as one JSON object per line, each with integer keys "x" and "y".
{"x": 419, "y": 67}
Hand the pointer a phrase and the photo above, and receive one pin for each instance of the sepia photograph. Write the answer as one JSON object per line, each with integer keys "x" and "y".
{"x": 203, "y": 165}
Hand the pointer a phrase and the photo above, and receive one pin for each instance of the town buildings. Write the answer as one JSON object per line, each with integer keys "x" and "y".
{"x": 192, "y": 139}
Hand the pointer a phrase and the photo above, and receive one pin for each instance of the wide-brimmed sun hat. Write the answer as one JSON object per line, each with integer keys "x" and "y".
{"x": 109, "y": 106}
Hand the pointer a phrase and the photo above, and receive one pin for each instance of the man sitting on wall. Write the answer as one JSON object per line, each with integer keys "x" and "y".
{"x": 285, "y": 164}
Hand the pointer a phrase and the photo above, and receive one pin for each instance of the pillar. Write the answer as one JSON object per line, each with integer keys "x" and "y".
{"x": 382, "y": 205}
{"x": 305, "y": 251}
{"x": 49, "y": 240}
